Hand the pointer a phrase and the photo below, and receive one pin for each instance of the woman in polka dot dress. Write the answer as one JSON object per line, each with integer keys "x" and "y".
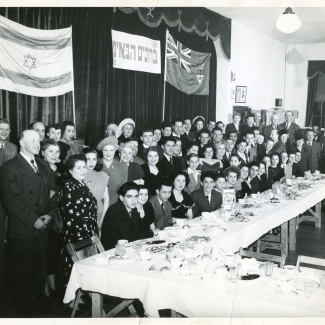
{"x": 78, "y": 208}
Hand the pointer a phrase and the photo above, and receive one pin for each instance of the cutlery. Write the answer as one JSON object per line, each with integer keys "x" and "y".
{"x": 295, "y": 292}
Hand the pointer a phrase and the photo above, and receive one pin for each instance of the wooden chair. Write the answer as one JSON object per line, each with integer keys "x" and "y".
{"x": 264, "y": 257}
{"x": 310, "y": 260}
{"x": 313, "y": 216}
{"x": 82, "y": 250}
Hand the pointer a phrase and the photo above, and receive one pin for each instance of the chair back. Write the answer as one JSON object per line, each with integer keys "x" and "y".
{"x": 310, "y": 260}
{"x": 264, "y": 257}
{"x": 85, "y": 248}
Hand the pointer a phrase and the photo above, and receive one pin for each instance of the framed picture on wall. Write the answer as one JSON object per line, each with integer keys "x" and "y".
{"x": 241, "y": 92}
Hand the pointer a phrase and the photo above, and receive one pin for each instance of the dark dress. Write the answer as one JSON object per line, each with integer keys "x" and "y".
{"x": 64, "y": 148}
{"x": 214, "y": 169}
{"x": 179, "y": 209}
{"x": 151, "y": 181}
{"x": 135, "y": 172}
{"x": 149, "y": 217}
{"x": 78, "y": 208}
{"x": 275, "y": 174}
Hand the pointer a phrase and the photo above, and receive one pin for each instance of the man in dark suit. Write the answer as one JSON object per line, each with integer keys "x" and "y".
{"x": 251, "y": 149}
{"x": 258, "y": 122}
{"x": 205, "y": 199}
{"x": 279, "y": 146}
{"x": 7, "y": 151}
{"x": 177, "y": 132}
{"x": 295, "y": 167}
{"x": 187, "y": 130}
{"x": 291, "y": 127}
{"x": 161, "y": 206}
{"x": 168, "y": 165}
{"x": 146, "y": 138}
{"x": 26, "y": 182}
{"x": 311, "y": 153}
{"x": 203, "y": 139}
{"x": 235, "y": 125}
{"x": 273, "y": 126}
{"x": 249, "y": 124}
{"x": 122, "y": 220}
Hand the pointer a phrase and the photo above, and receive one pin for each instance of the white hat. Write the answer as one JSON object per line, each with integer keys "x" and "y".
{"x": 122, "y": 124}
{"x": 111, "y": 140}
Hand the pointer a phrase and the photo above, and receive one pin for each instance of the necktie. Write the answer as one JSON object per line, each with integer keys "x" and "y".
{"x": 171, "y": 162}
{"x": 287, "y": 126}
{"x": 249, "y": 152}
{"x": 35, "y": 167}
{"x": 130, "y": 212}
{"x": 207, "y": 196}
{"x": 163, "y": 209}
{"x": 2, "y": 147}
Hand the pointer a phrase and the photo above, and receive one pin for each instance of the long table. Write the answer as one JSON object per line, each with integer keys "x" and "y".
{"x": 192, "y": 296}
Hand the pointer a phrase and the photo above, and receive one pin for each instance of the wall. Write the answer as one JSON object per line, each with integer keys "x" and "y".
{"x": 259, "y": 64}
{"x": 296, "y": 75}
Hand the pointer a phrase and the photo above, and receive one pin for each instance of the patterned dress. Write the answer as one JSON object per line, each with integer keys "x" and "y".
{"x": 78, "y": 208}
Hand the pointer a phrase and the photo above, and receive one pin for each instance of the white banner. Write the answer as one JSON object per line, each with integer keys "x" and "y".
{"x": 133, "y": 52}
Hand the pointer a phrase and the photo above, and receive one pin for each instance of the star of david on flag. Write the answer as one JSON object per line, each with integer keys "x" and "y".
{"x": 187, "y": 70}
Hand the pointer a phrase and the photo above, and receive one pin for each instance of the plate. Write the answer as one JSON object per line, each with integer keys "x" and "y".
{"x": 158, "y": 249}
{"x": 299, "y": 284}
{"x": 199, "y": 239}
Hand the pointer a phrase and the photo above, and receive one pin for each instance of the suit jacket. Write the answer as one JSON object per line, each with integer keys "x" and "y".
{"x": 242, "y": 161}
{"x": 246, "y": 128}
{"x": 194, "y": 184}
{"x": 255, "y": 186}
{"x": 279, "y": 147}
{"x": 311, "y": 161}
{"x": 118, "y": 224}
{"x": 267, "y": 130}
{"x": 190, "y": 136}
{"x": 27, "y": 197}
{"x": 292, "y": 131}
{"x": 252, "y": 154}
{"x": 232, "y": 128}
{"x": 9, "y": 152}
{"x": 142, "y": 152}
{"x": 162, "y": 219}
{"x": 261, "y": 127}
{"x": 201, "y": 202}
{"x": 296, "y": 171}
{"x": 167, "y": 170}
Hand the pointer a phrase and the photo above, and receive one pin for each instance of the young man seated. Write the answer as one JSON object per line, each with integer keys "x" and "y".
{"x": 204, "y": 198}
{"x": 252, "y": 184}
{"x": 161, "y": 206}
{"x": 122, "y": 220}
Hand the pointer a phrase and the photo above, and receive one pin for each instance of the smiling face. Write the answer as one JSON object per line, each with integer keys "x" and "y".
{"x": 4, "y": 131}
{"x": 258, "y": 117}
{"x": 79, "y": 170}
{"x": 204, "y": 138}
{"x": 233, "y": 137}
{"x": 179, "y": 183}
{"x": 249, "y": 139}
{"x": 220, "y": 183}
{"x": 167, "y": 131}
{"x": 250, "y": 121}
{"x": 143, "y": 196}
{"x": 217, "y": 136}
{"x": 164, "y": 193}
{"x": 221, "y": 150}
{"x": 232, "y": 178}
{"x": 310, "y": 135}
{"x": 193, "y": 162}
{"x": 253, "y": 171}
{"x": 168, "y": 148}
{"x": 108, "y": 152}
{"x": 260, "y": 139}
{"x": 244, "y": 172}
{"x": 91, "y": 160}
{"x": 68, "y": 132}
{"x": 274, "y": 161}
{"x": 178, "y": 148}
{"x": 187, "y": 125}
{"x": 211, "y": 125}
{"x": 54, "y": 134}
{"x": 126, "y": 154}
{"x": 229, "y": 145}
{"x": 130, "y": 199}
{"x": 269, "y": 145}
{"x": 51, "y": 154}
{"x": 207, "y": 184}
{"x": 152, "y": 158}
{"x": 267, "y": 161}
{"x": 242, "y": 147}
{"x": 208, "y": 153}
{"x": 157, "y": 135}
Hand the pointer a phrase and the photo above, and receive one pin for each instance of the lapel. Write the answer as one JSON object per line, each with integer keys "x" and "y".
{"x": 204, "y": 200}
{"x": 27, "y": 171}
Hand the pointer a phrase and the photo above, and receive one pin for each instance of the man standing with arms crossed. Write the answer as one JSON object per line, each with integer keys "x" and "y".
{"x": 26, "y": 182}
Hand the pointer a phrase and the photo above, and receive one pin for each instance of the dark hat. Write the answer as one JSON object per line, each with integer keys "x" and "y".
{"x": 299, "y": 136}
{"x": 281, "y": 132}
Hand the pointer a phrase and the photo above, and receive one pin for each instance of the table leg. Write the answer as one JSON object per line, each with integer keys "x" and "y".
{"x": 318, "y": 211}
{"x": 292, "y": 234}
{"x": 97, "y": 305}
{"x": 284, "y": 238}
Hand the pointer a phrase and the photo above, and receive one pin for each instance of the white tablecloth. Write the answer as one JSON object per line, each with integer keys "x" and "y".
{"x": 191, "y": 295}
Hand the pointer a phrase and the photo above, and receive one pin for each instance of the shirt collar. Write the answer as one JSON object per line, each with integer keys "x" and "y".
{"x": 168, "y": 157}
{"x": 27, "y": 158}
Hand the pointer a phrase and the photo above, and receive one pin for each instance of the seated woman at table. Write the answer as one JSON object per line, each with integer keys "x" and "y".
{"x": 233, "y": 181}
{"x": 97, "y": 181}
{"x": 145, "y": 210}
{"x": 122, "y": 220}
{"x": 152, "y": 176}
{"x": 117, "y": 171}
{"x": 208, "y": 164}
{"x": 205, "y": 199}
{"x": 78, "y": 208}
{"x": 251, "y": 185}
{"x": 262, "y": 176}
{"x": 193, "y": 174}
{"x": 241, "y": 151}
{"x": 284, "y": 164}
{"x": 135, "y": 172}
{"x": 220, "y": 154}
{"x": 275, "y": 172}
{"x": 182, "y": 203}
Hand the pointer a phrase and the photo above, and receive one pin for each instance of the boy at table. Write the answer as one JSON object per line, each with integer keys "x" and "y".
{"x": 204, "y": 198}
{"x": 122, "y": 220}
{"x": 161, "y": 206}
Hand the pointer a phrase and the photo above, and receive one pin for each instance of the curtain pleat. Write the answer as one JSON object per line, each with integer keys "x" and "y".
{"x": 312, "y": 89}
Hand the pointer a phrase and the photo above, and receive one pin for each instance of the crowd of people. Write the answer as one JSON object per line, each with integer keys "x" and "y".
{"x": 55, "y": 190}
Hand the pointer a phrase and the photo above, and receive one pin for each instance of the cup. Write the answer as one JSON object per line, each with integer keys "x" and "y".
{"x": 180, "y": 222}
{"x": 316, "y": 172}
{"x": 269, "y": 268}
{"x": 309, "y": 288}
{"x": 254, "y": 196}
{"x": 162, "y": 234}
{"x": 208, "y": 250}
{"x": 122, "y": 242}
{"x": 289, "y": 181}
{"x": 144, "y": 255}
{"x": 192, "y": 263}
{"x": 322, "y": 281}
{"x": 222, "y": 213}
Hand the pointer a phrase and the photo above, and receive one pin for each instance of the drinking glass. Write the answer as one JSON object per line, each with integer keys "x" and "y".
{"x": 322, "y": 281}
{"x": 192, "y": 263}
{"x": 309, "y": 288}
{"x": 233, "y": 271}
{"x": 137, "y": 246}
{"x": 191, "y": 244}
{"x": 120, "y": 250}
{"x": 269, "y": 268}
{"x": 208, "y": 250}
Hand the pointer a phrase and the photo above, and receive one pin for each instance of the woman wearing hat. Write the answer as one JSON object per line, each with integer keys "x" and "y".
{"x": 198, "y": 124}
{"x": 125, "y": 130}
{"x": 297, "y": 145}
{"x": 117, "y": 171}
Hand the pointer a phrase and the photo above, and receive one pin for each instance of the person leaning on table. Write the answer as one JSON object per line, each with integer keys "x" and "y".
{"x": 204, "y": 198}
{"x": 122, "y": 219}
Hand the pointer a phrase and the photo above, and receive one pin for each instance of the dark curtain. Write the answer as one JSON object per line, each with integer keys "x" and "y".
{"x": 103, "y": 94}
{"x": 312, "y": 89}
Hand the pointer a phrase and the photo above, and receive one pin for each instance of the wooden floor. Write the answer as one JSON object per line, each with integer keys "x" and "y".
{"x": 310, "y": 242}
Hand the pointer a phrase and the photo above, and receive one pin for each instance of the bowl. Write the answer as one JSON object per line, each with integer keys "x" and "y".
{"x": 172, "y": 231}
{"x": 290, "y": 269}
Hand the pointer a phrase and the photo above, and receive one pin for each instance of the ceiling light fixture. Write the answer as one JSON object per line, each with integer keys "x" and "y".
{"x": 288, "y": 22}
